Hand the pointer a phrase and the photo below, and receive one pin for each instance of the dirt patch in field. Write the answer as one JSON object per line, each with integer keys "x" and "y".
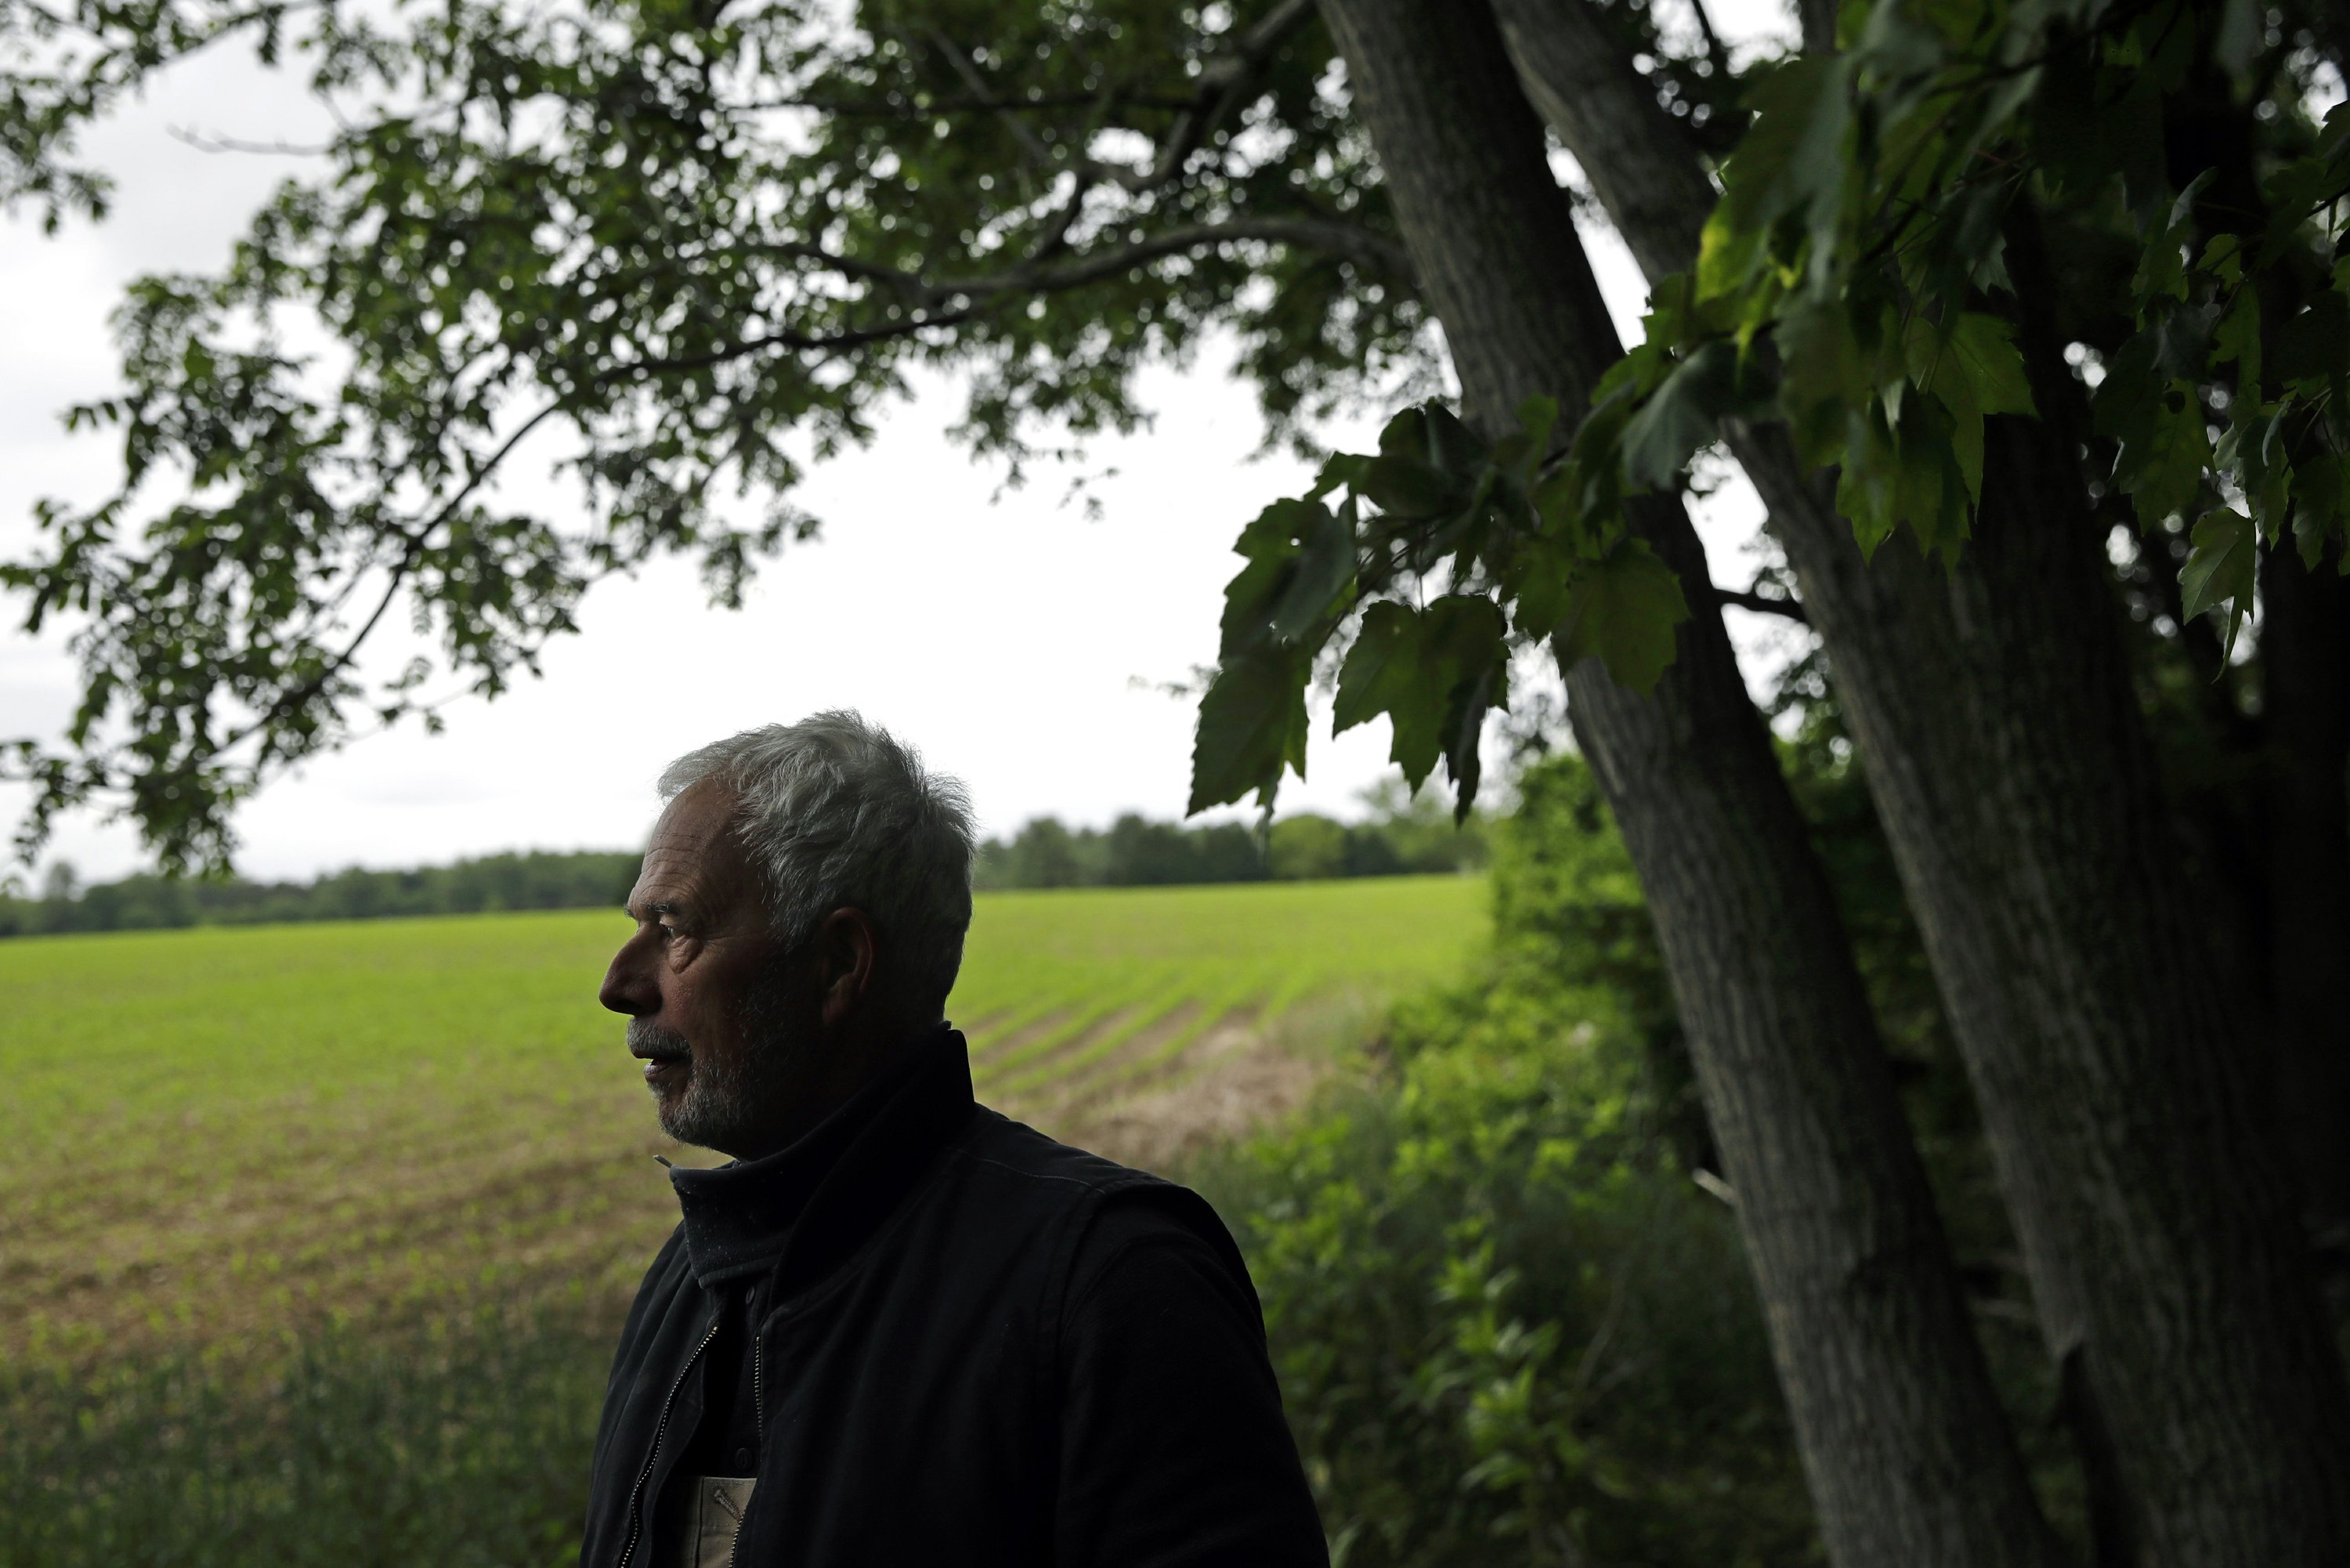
{"x": 1090, "y": 1076}
{"x": 1233, "y": 1080}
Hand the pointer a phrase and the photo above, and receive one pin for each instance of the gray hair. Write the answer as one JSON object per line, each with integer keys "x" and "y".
{"x": 836, "y": 812}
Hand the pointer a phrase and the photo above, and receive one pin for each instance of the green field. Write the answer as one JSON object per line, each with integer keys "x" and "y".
{"x": 212, "y": 1136}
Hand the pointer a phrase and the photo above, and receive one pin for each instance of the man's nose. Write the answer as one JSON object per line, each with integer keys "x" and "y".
{"x": 628, "y": 984}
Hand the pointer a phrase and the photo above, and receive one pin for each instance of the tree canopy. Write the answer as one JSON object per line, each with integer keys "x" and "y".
{"x": 685, "y": 251}
{"x": 1853, "y": 284}
{"x": 690, "y": 249}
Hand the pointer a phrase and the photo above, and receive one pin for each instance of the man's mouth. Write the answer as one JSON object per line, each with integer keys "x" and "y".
{"x": 666, "y": 1056}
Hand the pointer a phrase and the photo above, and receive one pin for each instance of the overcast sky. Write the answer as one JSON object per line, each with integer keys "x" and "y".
{"x": 1008, "y": 637}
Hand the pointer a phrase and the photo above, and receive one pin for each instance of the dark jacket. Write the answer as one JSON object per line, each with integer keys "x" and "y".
{"x": 973, "y": 1345}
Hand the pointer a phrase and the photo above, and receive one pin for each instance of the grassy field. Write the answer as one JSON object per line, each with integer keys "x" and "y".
{"x": 215, "y": 1136}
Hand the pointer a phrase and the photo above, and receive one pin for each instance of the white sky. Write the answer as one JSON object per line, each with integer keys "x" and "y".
{"x": 1003, "y": 636}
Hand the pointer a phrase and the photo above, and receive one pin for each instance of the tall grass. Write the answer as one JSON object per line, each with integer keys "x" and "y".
{"x": 461, "y": 1445}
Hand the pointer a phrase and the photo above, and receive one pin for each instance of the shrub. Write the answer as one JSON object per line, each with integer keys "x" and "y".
{"x": 1506, "y": 1323}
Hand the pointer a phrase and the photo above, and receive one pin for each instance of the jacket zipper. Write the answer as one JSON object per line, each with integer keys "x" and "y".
{"x": 661, "y": 1430}
{"x": 758, "y": 1404}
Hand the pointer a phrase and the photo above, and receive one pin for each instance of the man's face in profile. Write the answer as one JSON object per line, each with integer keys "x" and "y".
{"x": 707, "y": 986}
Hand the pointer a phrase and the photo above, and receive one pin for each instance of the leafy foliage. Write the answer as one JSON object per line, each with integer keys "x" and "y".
{"x": 1522, "y": 559}
{"x": 1858, "y": 271}
{"x": 1858, "y": 281}
{"x": 1506, "y": 1321}
{"x": 1503, "y": 1326}
{"x": 689, "y": 252}
{"x": 1574, "y": 997}
{"x": 683, "y": 252}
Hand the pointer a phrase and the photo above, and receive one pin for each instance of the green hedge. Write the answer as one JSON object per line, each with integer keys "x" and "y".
{"x": 1508, "y": 1325}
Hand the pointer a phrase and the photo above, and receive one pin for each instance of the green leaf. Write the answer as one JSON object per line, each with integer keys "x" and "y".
{"x": 1865, "y": 486}
{"x": 1323, "y": 575}
{"x": 2220, "y": 569}
{"x": 1252, "y": 724}
{"x": 1423, "y": 669}
{"x": 1966, "y": 444}
{"x": 2296, "y": 190}
{"x": 1379, "y": 671}
{"x": 1541, "y": 577}
{"x": 1250, "y": 599}
{"x": 1683, "y": 415}
{"x": 1410, "y": 488}
{"x": 2127, "y": 400}
{"x": 1931, "y": 493}
{"x": 2085, "y": 132}
{"x": 1433, "y": 434}
{"x": 1972, "y": 370}
{"x": 1823, "y": 376}
{"x": 1622, "y": 610}
{"x": 2159, "y": 424}
{"x": 1792, "y": 160}
{"x": 1728, "y": 252}
{"x": 1301, "y": 567}
{"x": 1982, "y": 348}
{"x": 2238, "y": 337}
{"x": 2166, "y": 477}
{"x": 1586, "y": 493}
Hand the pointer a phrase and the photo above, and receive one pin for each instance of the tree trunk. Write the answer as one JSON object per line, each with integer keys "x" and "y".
{"x": 1908, "y": 1454}
{"x": 2017, "y": 784}
{"x": 2305, "y": 827}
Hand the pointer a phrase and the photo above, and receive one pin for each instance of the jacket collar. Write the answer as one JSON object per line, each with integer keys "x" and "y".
{"x": 808, "y": 1205}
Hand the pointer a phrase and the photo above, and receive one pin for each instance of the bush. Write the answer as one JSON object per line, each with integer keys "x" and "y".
{"x": 1507, "y": 1324}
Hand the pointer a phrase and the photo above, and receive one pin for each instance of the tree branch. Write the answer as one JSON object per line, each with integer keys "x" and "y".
{"x": 1347, "y": 241}
{"x": 411, "y": 541}
{"x": 1763, "y": 604}
{"x": 1334, "y": 238}
{"x": 870, "y": 108}
{"x": 1344, "y": 240}
{"x": 1226, "y": 78}
{"x": 1222, "y": 83}
{"x": 1714, "y": 52}
{"x": 203, "y": 143}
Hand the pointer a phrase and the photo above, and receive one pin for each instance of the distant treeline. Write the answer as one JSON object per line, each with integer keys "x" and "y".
{"x": 1401, "y": 836}
{"x": 583, "y": 879}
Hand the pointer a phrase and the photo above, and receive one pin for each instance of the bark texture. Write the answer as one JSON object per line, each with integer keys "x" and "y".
{"x": 2306, "y": 830}
{"x": 1908, "y": 1454}
{"x": 2017, "y": 783}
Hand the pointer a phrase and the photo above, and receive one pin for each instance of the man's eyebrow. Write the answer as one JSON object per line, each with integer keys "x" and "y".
{"x": 656, "y": 907}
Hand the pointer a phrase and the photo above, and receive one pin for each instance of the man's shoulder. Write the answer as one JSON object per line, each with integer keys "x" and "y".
{"x": 1110, "y": 1203}
{"x": 1024, "y": 1156}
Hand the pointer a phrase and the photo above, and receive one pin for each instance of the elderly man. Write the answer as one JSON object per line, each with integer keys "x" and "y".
{"x": 898, "y": 1328}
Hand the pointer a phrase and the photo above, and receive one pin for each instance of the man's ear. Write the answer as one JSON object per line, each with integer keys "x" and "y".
{"x": 847, "y": 953}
